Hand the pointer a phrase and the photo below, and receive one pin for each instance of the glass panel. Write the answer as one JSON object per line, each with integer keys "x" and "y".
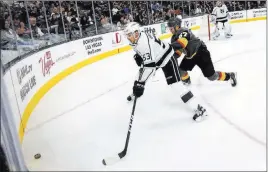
{"x": 43, "y": 23}
{"x": 262, "y": 4}
{"x": 121, "y": 13}
{"x": 102, "y": 17}
{"x": 86, "y": 18}
{"x": 140, "y": 13}
{"x": 9, "y": 44}
{"x": 184, "y": 9}
{"x": 63, "y": 19}
{"x": 230, "y": 5}
{"x": 241, "y": 5}
{"x": 25, "y": 40}
{"x": 167, "y": 10}
{"x": 199, "y": 8}
{"x": 128, "y": 11}
{"x": 156, "y": 12}
{"x": 54, "y": 29}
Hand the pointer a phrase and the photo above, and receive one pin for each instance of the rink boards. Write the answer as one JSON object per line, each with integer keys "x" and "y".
{"x": 30, "y": 79}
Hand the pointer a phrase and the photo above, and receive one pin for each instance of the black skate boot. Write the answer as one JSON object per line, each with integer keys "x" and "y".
{"x": 200, "y": 113}
{"x": 233, "y": 79}
{"x": 228, "y": 35}
{"x": 187, "y": 81}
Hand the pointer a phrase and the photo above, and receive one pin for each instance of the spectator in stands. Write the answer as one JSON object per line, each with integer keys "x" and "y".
{"x": 104, "y": 21}
{"x": 84, "y": 21}
{"x": 126, "y": 9}
{"x": 116, "y": 18}
{"x": 122, "y": 12}
{"x": 69, "y": 16}
{"x": 22, "y": 29}
{"x": 36, "y": 31}
{"x": 129, "y": 18}
{"x": 8, "y": 35}
{"x": 197, "y": 10}
{"x": 121, "y": 23}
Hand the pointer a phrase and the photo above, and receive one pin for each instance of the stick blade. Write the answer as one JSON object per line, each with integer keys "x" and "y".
{"x": 111, "y": 160}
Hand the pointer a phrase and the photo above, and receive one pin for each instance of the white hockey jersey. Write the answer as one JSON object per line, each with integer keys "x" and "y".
{"x": 221, "y": 13}
{"x": 154, "y": 53}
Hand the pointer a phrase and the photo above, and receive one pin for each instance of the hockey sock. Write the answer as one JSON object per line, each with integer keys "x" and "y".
{"x": 185, "y": 77}
{"x": 223, "y": 76}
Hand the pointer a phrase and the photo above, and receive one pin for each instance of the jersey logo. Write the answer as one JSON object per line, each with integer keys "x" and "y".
{"x": 222, "y": 10}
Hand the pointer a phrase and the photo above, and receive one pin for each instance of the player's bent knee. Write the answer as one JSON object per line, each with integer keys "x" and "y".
{"x": 214, "y": 77}
{"x": 186, "y": 97}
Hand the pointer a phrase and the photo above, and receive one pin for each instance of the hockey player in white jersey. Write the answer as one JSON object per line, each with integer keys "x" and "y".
{"x": 156, "y": 54}
{"x": 220, "y": 14}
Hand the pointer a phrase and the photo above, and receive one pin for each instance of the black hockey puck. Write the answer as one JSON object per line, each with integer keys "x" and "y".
{"x": 37, "y": 156}
{"x": 129, "y": 98}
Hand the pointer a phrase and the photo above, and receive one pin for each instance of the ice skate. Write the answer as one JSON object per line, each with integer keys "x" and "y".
{"x": 186, "y": 82}
{"x": 233, "y": 79}
{"x": 229, "y": 35}
{"x": 200, "y": 114}
{"x": 216, "y": 36}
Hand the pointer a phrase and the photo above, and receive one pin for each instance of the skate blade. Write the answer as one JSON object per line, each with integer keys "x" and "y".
{"x": 201, "y": 118}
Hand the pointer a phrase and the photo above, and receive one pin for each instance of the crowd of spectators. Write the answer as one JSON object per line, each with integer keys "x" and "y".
{"x": 54, "y": 21}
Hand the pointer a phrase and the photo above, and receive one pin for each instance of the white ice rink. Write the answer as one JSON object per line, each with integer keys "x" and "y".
{"x": 92, "y": 115}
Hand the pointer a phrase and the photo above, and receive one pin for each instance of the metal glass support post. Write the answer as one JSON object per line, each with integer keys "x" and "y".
{"x": 148, "y": 13}
{"x": 63, "y": 22}
{"x": 30, "y": 27}
{"x": 131, "y": 8}
{"x": 110, "y": 12}
{"x": 94, "y": 17}
{"x": 45, "y": 11}
{"x": 78, "y": 19}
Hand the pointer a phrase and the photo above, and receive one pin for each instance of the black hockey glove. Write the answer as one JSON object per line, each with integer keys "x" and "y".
{"x": 138, "y": 88}
{"x": 138, "y": 59}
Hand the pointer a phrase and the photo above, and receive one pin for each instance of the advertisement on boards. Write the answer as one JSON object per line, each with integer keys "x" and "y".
{"x": 190, "y": 22}
{"x": 237, "y": 15}
{"x": 93, "y": 45}
{"x": 26, "y": 80}
{"x": 117, "y": 39}
{"x": 164, "y": 28}
{"x": 150, "y": 29}
{"x": 259, "y": 12}
{"x": 46, "y": 62}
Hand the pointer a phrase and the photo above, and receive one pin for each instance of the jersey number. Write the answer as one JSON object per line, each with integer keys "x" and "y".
{"x": 183, "y": 34}
{"x": 146, "y": 57}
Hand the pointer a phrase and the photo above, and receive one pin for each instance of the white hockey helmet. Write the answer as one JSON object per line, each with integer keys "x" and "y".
{"x": 132, "y": 31}
{"x": 219, "y": 3}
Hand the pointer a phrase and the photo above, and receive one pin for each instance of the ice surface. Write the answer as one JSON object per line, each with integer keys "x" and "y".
{"x": 90, "y": 115}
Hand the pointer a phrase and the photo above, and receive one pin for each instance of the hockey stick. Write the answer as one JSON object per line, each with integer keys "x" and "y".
{"x": 115, "y": 159}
